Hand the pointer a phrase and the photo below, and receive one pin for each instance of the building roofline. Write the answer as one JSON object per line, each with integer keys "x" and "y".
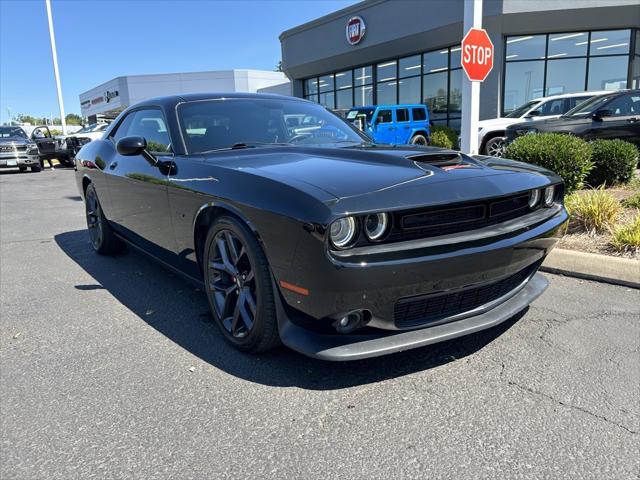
{"x": 329, "y": 17}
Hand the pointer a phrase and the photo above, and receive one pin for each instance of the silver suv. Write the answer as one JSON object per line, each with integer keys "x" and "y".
{"x": 18, "y": 150}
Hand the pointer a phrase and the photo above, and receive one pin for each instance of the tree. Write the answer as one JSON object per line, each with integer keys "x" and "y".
{"x": 73, "y": 119}
{"x": 278, "y": 67}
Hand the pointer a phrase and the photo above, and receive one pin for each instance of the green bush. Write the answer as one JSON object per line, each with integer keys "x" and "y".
{"x": 633, "y": 201}
{"x": 614, "y": 162}
{"x": 566, "y": 155}
{"x": 593, "y": 210}
{"x": 440, "y": 139}
{"x": 450, "y": 133}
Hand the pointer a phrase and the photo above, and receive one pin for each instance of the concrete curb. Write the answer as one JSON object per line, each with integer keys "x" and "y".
{"x": 591, "y": 266}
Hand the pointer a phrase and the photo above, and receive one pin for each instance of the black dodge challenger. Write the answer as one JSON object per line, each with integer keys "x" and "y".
{"x": 306, "y": 233}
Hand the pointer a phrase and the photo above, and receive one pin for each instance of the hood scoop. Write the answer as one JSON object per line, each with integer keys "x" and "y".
{"x": 438, "y": 159}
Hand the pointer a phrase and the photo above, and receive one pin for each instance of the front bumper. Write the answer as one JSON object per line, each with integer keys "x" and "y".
{"x": 18, "y": 159}
{"x": 355, "y": 347}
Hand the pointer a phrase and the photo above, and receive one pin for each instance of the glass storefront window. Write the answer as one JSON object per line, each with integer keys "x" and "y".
{"x": 311, "y": 86}
{"x": 610, "y": 42}
{"x": 363, "y": 96}
{"x": 565, "y": 76}
{"x": 437, "y": 61}
{"x": 410, "y": 66}
{"x": 568, "y": 44}
{"x": 328, "y": 99}
{"x": 435, "y": 94}
{"x": 608, "y": 73}
{"x": 387, "y": 93}
{"x": 524, "y": 81}
{"x": 526, "y": 47}
{"x": 635, "y": 72}
{"x": 344, "y": 79}
{"x": 455, "y": 57}
{"x": 409, "y": 90}
{"x": 363, "y": 76}
{"x": 455, "y": 93}
{"x": 386, "y": 71}
{"x": 343, "y": 99}
{"x": 325, "y": 83}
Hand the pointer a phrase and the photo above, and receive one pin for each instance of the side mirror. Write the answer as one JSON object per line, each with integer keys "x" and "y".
{"x": 600, "y": 114}
{"x": 534, "y": 113}
{"x": 132, "y": 146}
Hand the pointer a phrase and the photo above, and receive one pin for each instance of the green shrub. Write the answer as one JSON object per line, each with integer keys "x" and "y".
{"x": 449, "y": 132}
{"x": 633, "y": 201}
{"x": 627, "y": 237}
{"x": 440, "y": 139}
{"x": 614, "y": 162}
{"x": 566, "y": 155}
{"x": 594, "y": 210}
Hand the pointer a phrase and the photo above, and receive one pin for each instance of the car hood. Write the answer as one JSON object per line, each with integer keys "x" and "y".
{"x": 351, "y": 172}
{"x": 15, "y": 141}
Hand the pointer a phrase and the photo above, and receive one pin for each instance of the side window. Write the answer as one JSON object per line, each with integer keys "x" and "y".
{"x": 402, "y": 115}
{"x": 419, "y": 114}
{"x": 384, "y": 116}
{"x": 552, "y": 107}
{"x": 574, "y": 101}
{"x": 624, "y": 105}
{"x": 147, "y": 123}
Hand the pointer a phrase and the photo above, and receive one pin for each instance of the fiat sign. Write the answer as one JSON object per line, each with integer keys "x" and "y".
{"x": 355, "y": 30}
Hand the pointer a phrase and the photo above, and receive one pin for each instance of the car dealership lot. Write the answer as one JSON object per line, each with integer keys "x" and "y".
{"x": 111, "y": 367}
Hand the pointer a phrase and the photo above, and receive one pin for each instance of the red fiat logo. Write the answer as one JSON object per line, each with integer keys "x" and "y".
{"x": 355, "y": 30}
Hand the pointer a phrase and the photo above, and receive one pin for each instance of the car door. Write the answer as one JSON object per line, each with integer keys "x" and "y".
{"x": 45, "y": 141}
{"x": 383, "y": 126}
{"x": 403, "y": 126}
{"x": 621, "y": 119}
{"x": 138, "y": 189}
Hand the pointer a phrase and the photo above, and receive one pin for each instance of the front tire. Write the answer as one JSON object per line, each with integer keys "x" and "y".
{"x": 495, "y": 146}
{"x": 238, "y": 283}
{"x": 102, "y": 237}
{"x": 419, "y": 140}
{"x": 36, "y": 168}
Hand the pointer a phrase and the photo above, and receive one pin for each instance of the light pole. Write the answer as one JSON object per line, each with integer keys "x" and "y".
{"x": 56, "y": 73}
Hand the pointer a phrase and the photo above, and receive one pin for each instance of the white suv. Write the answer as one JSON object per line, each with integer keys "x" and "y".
{"x": 491, "y": 133}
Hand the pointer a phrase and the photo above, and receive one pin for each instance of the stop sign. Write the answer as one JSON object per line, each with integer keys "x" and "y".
{"x": 477, "y": 54}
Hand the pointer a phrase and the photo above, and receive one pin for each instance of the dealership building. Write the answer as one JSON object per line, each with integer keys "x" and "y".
{"x": 110, "y": 98}
{"x": 399, "y": 51}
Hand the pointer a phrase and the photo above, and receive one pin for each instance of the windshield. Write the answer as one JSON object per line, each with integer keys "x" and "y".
{"x": 94, "y": 127}
{"x": 220, "y": 124}
{"x": 589, "y": 107}
{"x": 522, "y": 109}
{"x": 7, "y": 132}
{"x": 353, "y": 114}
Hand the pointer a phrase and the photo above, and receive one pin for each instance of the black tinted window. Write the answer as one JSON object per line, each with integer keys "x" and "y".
{"x": 624, "y": 105}
{"x": 402, "y": 115}
{"x": 552, "y": 107}
{"x": 147, "y": 123}
{"x": 419, "y": 114}
{"x": 384, "y": 116}
{"x": 574, "y": 101}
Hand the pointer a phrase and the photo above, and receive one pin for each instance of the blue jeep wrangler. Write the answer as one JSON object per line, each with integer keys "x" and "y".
{"x": 394, "y": 124}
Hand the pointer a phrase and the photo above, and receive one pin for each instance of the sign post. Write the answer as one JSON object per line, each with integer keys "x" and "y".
{"x": 477, "y": 62}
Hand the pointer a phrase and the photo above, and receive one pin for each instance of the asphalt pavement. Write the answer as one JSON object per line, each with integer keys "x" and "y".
{"x": 110, "y": 367}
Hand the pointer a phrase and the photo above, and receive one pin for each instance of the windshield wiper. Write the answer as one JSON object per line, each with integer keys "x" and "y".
{"x": 243, "y": 145}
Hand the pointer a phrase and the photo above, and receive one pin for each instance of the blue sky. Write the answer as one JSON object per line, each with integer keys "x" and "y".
{"x": 99, "y": 40}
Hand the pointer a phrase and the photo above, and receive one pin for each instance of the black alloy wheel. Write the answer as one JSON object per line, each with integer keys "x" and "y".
{"x": 419, "y": 140}
{"x": 239, "y": 289}
{"x": 495, "y": 146}
{"x": 102, "y": 238}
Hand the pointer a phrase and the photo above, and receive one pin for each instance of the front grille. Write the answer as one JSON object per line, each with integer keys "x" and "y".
{"x": 423, "y": 310}
{"x": 13, "y": 148}
{"x": 432, "y": 222}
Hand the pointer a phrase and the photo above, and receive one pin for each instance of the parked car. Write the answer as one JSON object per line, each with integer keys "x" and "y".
{"x": 393, "y": 124}
{"x": 491, "y": 133}
{"x": 337, "y": 247}
{"x": 18, "y": 150}
{"x": 43, "y": 137}
{"x": 86, "y": 134}
{"x": 611, "y": 115}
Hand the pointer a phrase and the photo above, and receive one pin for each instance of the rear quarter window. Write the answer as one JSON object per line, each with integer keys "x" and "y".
{"x": 402, "y": 115}
{"x": 419, "y": 114}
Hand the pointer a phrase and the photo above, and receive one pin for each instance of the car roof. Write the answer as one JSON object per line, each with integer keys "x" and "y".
{"x": 594, "y": 93}
{"x": 395, "y": 105}
{"x": 195, "y": 97}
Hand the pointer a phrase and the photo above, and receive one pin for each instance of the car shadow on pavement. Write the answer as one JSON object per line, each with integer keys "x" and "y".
{"x": 178, "y": 310}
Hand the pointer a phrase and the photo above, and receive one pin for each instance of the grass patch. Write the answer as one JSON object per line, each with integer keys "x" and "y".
{"x": 594, "y": 211}
{"x": 627, "y": 237}
{"x": 632, "y": 202}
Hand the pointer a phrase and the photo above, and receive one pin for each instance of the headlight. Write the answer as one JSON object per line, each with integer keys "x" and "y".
{"x": 32, "y": 148}
{"x": 549, "y": 194}
{"x": 375, "y": 226}
{"x": 342, "y": 232}
{"x": 534, "y": 198}
{"x": 526, "y": 131}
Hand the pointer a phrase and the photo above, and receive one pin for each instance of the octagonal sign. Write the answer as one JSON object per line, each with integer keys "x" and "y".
{"x": 477, "y": 54}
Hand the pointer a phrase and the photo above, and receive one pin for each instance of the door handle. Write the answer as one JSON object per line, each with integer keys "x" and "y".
{"x": 113, "y": 165}
{"x": 632, "y": 120}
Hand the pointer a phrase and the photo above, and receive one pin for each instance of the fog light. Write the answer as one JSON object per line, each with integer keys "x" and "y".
{"x": 349, "y": 322}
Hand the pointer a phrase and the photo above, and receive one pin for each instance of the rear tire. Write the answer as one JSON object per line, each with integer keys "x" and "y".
{"x": 239, "y": 289}
{"x": 36, "y": 168}
{"x": 419, "y": 140}
{"x": 102, "y": 237}
{"x": 495, "y": 146}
